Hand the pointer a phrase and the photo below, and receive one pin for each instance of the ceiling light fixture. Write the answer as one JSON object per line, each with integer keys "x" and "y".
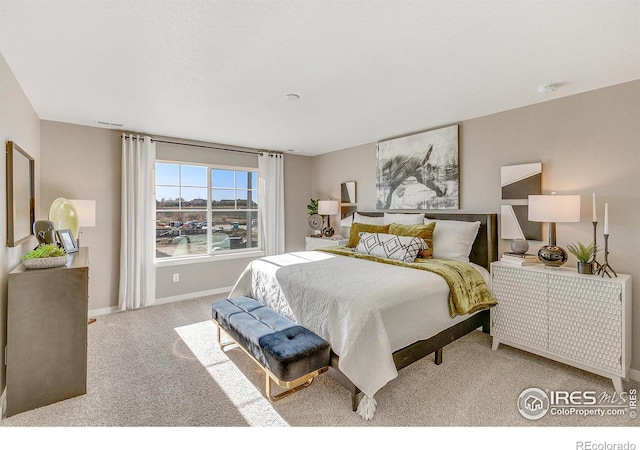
{"x": 292, "y": 97}
{"x": 548, "y": 88}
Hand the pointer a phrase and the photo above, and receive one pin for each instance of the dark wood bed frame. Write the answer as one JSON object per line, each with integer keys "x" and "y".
{"x": 483, "y": 253}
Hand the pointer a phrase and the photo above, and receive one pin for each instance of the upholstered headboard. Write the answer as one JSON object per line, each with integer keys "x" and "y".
{"x": 485, "y": 248}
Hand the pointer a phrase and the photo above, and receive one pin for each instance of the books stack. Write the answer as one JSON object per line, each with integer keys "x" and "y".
{"x": 519, "y": 259}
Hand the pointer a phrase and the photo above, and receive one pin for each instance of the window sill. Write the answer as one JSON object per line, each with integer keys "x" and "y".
{"x": 199, "y": 259}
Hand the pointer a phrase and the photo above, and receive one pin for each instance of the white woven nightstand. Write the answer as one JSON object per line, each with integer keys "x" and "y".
{"x": 580, "y": 320}
{"x": 313, "y": 242}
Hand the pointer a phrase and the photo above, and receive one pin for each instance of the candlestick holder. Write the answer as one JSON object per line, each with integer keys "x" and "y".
{"x": 604, "y": 268}
{"x": 594, "y": 263}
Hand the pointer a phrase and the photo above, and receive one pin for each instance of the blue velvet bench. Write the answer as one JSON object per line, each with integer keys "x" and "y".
{"x": 291, "y": 355}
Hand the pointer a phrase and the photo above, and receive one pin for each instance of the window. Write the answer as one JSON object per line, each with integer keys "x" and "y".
{"x": 203, "y": 209}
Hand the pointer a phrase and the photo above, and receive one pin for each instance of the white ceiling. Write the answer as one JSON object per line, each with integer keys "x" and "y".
{"x": 218, "y": 71}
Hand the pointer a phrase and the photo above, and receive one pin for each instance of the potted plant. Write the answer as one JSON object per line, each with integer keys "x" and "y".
{"x": 312, "y": 207}
{"x": 583, "y": 253}
{"x": 45, "y": 256}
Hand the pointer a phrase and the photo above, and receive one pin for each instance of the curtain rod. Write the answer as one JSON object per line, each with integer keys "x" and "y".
{"x": 256, "y": 152}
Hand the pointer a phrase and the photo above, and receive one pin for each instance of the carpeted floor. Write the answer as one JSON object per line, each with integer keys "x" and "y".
{"x": 161, "y": 367}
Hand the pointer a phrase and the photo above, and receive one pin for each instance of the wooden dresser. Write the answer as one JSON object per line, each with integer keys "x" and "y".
{"x": 47, "y": 334}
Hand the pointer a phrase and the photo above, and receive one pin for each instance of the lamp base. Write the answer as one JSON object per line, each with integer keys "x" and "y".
{"x": 552, "y": 255}
{"x": 327, "y": 231}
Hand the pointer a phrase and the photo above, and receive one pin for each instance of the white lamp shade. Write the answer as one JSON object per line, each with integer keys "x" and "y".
{"x": 86, "y": 212}
{"x": 328, "y": 207}
{"x": 554, "y": 208}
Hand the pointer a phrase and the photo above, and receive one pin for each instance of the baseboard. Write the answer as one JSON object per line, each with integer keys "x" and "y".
{"x": 164, "y": 300}
{"x": 3, "y": 403}
{"x": 103, "y": 311}
{"x": 192, "y": 295}
{"x": 634, "y": 375}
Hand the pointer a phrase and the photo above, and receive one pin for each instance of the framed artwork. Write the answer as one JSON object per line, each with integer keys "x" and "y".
{"x": 517, "y": 183}
{"x": 20, "y": 188}
{"x": 68, "y": 242}
{"x": 419, "y": 171}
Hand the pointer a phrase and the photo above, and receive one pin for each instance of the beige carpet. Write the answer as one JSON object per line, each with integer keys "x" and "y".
{"x": 161, "y": 367}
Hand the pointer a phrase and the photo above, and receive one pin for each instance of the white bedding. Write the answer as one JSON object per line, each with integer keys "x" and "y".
{"x": 366, "y": 310}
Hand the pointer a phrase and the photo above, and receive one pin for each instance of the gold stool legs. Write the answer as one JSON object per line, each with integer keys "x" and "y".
{"x": 291, "y": 386}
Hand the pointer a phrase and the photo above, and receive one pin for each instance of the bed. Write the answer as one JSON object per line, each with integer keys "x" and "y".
{"x": 378, "y": 317}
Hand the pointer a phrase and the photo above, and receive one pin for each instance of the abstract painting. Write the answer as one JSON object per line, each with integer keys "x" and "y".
{"x": 517, "y": 183}
{"x": 419, "y": 171}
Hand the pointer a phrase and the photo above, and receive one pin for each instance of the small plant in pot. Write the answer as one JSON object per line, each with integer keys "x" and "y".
{"x": 45, "y": 256}
{"x": 312, "y": 207}
{"x": 583, "y": 253}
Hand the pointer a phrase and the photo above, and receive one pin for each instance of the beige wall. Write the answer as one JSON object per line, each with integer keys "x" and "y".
{"x": 297, "y": 194}
{"x": 587, "y": 143}
{"x": 80, "y": 162}
{"x": 18, "y": 123}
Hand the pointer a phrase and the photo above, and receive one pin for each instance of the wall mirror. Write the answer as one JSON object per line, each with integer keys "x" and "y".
{"x": 348, "y": 192}
{"x": 347, "y": 199}
{"x": 20, "y": 195}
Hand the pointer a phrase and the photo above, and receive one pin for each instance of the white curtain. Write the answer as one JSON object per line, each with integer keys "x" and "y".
{"x": 137, "y": 246}
{"x": 271, "y": 202}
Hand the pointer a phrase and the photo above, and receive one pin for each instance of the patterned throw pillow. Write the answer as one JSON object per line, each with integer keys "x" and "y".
{"x": 391, "y": 246}
{"x": 424, "y": 232}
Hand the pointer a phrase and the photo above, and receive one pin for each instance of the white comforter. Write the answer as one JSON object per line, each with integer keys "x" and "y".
{"x": 366, "y": 310}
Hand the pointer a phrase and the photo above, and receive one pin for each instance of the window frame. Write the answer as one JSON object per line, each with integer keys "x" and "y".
{"x": 210, "y": 255}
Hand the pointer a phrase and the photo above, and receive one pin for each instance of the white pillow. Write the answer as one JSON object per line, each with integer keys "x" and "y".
{"x": 453, "y": 239}
{"x": 403, "y": 219}
{"x": 391, "y": 246}
{"x": 359, "y": 218}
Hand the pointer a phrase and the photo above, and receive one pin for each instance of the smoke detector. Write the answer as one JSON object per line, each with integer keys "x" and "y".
{"x": 548, "y": 88}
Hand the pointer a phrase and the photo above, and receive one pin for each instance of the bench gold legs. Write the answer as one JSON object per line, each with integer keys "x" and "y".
{"x": 291, "y": 386}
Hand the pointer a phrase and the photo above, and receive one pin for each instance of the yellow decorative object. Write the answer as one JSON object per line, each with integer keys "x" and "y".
{"x": 64, "y": 216}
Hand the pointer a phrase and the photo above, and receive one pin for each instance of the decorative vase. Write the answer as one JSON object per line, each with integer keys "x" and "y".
{"x": 585, "y": 268}
{"x": 519, "y": 246}
{"x": 45, "y": 263}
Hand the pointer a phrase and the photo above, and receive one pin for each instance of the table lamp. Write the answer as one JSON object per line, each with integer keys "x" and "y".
{"x": 328, "y": 208}
{"x": 552, "y": 209}
{"x": 86, "y": 214}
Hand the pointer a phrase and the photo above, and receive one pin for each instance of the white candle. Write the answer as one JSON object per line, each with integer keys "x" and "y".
{"x": 595, "y": 216}
{"x": 606, "y": 218}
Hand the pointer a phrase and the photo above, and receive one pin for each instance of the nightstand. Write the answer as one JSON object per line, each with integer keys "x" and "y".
{"x": 580, "y": 320}
{"x": 316, "y": 242}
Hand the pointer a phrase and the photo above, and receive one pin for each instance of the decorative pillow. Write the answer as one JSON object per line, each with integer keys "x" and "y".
{"x": 391, "y": 246}
{"x": 403, "y": 219}
{"x": 357, "y": 228}
{"x": 359, "y": 218}
{"x": 422, "y": 231}
{"x": 453, "y": 239}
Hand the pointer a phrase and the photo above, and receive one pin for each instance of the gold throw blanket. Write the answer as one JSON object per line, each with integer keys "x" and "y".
{"x": 468, "y": 291}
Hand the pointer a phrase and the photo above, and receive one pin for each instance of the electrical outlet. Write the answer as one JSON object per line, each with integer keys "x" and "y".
{"x": 176, "y": 277}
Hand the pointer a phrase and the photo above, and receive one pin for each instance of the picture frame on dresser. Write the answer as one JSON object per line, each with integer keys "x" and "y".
{"x": 67, "y": 241}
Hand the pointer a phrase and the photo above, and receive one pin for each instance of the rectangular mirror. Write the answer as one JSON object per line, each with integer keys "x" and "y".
{"x": 20, "y": 195}
{"x": 348, "y": 192}
{"x": 347, "y": 199}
